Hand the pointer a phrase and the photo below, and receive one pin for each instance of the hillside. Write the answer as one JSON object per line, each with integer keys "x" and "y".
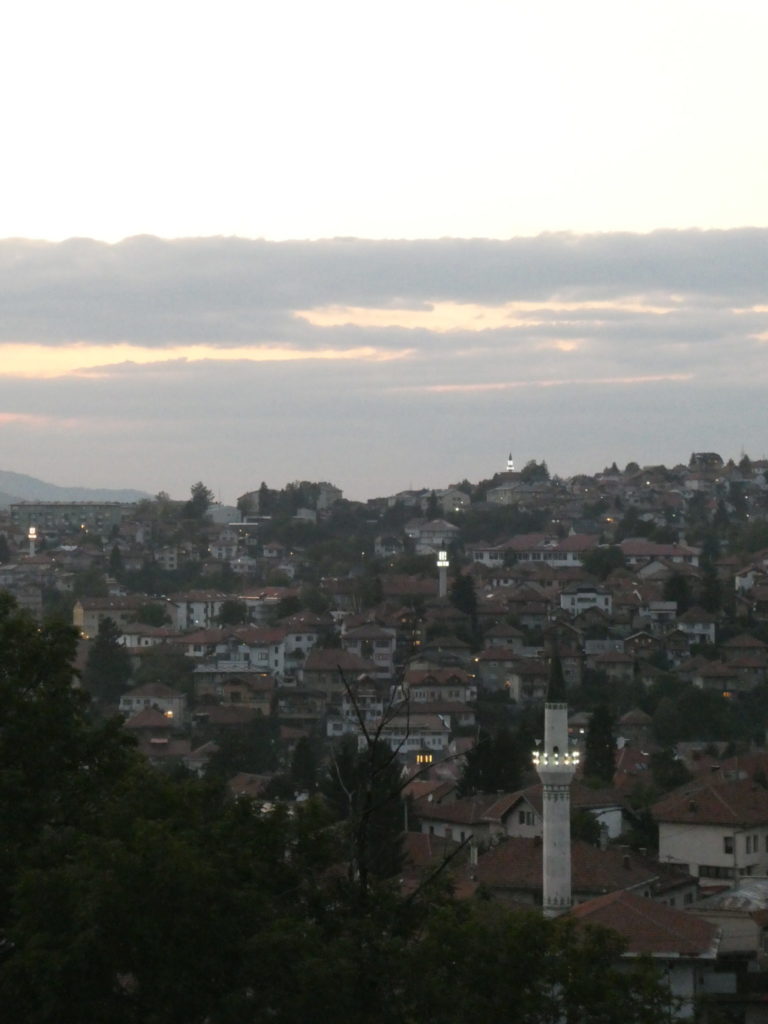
{"x": 20, "y": 487}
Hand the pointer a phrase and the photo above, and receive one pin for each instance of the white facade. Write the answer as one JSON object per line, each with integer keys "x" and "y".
{"x": 712, "y": 853}
{"x": 581, "y": 597}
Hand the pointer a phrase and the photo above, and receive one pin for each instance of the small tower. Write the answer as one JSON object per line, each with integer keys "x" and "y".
{"x": 32, "y": 538}
{"x": 556, "y": 766}
{"x": 510, "y": 463}
{"x": 442, "y": 573}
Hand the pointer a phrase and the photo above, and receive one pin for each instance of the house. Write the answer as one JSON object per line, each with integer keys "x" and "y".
{"x": 89, "y": 612}
{"x": 302, "y": 632}
{"x": 413, "y": 736}
{"x": 332, "y": 671}
{"x": 717, "y": 830}
{"x": 618, "y": 667}
{"x": 197, "y": 608}
{"x": 492, "y": 555}
{"x": 300, "y": 707}
{"x": 528, "y": 680}
{"x": 494, "y": 666}
{"x": 462, "y": 819}
{"x": 698, "y": 625}
{"x": 605, "y": 805}
{"x": 153, "y": 732}
{"x": 253, "y": 690}
{"x": 741, "y": 912}
{"x": 170, "y": 702}
{"x": 241, "y": 648}
{"x": 578, "y": 597}
{"x": 744, "y": 646}
{"x": 504, "y": 635}
{"x": 556, "y": 551}
{"x": 430, "y": 535}
{"x": 361, "y": 706}
{"x": 719, "y": 677}
{"x": 439, "y": 684}
{"x": 637, "y": 550}
{"x": 685, "y": 947}
{"x": 373, "y": 643}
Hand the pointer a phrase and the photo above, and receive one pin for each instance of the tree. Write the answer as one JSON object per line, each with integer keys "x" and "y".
{"x": 678, "y": 589}
{"x": 151, "y": 613}
{"x": 5, "y": 551}
{"x": 200, "y": 501}
{"x": 116, "y": 565}
{"x": 108, "y": 667}
{"x": 553, "y": 970}
{"x": 601, "y": 561}
{"x": 600, "y": 746}
{"x": 585, "y": 826}
{"x": 233, "y": 612}
{"x": 252, "y": 747}
{"x": 668, "y": 771}
{"x": 463, "y": 596}
{"x": 304, "y": 766}
{"x": 139, "y": 898}
{"x": 495, "y": 764}
{"x": 364, "y": 790}
{"x": 533, "y": 472}
{"x": 54, "y": 763}
{"x": 166, "y": 664}
{"x": 556, "y": 688}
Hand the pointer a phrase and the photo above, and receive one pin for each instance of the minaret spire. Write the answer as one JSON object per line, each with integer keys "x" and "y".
{"x": 556, "y": 766}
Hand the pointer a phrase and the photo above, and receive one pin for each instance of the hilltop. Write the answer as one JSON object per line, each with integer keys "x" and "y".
{"x": 20, "y": 487}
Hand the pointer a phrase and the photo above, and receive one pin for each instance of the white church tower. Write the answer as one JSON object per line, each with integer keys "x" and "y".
{"x": 556, "y": 766}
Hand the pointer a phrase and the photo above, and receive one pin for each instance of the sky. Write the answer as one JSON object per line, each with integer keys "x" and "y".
{"x": 379, "y": 244}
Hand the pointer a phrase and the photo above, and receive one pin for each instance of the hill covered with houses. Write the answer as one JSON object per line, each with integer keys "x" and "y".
{"x": 263, "y": 645}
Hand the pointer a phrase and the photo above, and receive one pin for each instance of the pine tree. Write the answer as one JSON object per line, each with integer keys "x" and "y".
{"x": 108, "y": 668}
{"x": 599, "y": 762}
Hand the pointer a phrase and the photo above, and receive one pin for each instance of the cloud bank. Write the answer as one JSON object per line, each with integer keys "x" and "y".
{"x": 377, "y": 363}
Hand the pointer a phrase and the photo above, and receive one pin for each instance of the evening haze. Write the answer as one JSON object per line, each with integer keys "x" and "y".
{"x": 379, "y": 244}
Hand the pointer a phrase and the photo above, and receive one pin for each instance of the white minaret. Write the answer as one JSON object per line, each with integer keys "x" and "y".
{"x": 510, "y": 463}
{"x": 442, "y": 573}
{"x": 556, "y": 766}
{"x": 32, "y": 538}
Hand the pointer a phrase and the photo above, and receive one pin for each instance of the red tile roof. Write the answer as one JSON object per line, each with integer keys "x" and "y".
{"x": 651, "y": 928}
{"x": 741, "y": 802}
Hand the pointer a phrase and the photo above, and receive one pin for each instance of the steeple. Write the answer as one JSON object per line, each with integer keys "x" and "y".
{"x": 510, "y": 463}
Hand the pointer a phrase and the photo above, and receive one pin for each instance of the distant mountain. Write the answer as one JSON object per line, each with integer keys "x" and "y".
{"x": 19, "y": 487}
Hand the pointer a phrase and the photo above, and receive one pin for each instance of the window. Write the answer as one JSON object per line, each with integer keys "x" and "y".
{"x": 728, "y": 844}
{"x": 749, "y": 844}
{"x": 714, "y": 871}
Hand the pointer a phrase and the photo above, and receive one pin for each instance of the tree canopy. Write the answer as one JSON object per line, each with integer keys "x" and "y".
{"x": 135, "y": 897}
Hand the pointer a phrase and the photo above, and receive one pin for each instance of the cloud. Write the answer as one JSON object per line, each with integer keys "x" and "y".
{"x": 377, "y": 364}
{"x": 231, "y": 291}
